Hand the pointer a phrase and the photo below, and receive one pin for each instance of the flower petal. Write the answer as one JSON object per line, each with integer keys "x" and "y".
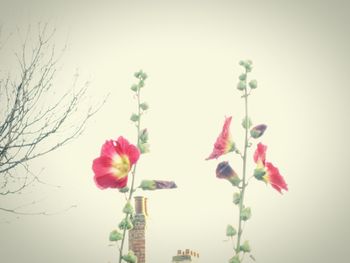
{"x": 108, "y": 149}
{"x": 260, "y": 153}
{"x": 133, "y": 153}
{"x": 275, "y": 178}
{"x": 109, "y": 181}
{"x": 102, "y": 165}
{"x": 223, "y": 143}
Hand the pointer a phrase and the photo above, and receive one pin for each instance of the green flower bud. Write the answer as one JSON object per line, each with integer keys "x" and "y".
{"x": 259, "y": 174}
{"x": 115, "y": 236}
{"x": 235, "y": 259}
{"x": 144, "y": 76}
{"x": 124, "y": 189}
{"x": 236, "y": 198}
{"x": 253, "y": 84}
{"x": 134, "y": 117}
{"x": 242, "y": 77}
{"x": 241, "y": 63}
{"x": 230, "y": 231}
{"x": 141, "y": 84}
{"x": 144, "y": 106}
{"x": 128, "y": 209}
{"x": 134, "y": 87}
{"x": 247, "y": 123}
{"x": 241, "y": 85}
{"x": 144, "y": 136}
{"x": 144, "y": 147}
{"x": 148, "y": 185}
{"x": 130, "y": 257}
{"x": 246, "y": 213}
{"x": 258, "y": 131}
{"x": 245, "y": 247}
{"x": 125, "y": 224}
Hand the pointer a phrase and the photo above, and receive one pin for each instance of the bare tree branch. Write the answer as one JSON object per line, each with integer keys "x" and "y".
{"x": 34, "y": 121}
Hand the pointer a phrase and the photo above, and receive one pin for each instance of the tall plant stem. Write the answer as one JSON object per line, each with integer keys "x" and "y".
{"x": 241, "y": 206}
{"x": 138, "y": 125}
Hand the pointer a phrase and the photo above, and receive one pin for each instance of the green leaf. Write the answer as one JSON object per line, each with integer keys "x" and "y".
{"x": 236, "y": 198}
{"x": 128, "y": 209}
{"x": 144, "y": 106}
{"x": 115, "y": 236}
{"x": 246, "y": 213}
{"x": 241, "y": 85}
{"x": 134, "y": 117}
{"x": 245, "y": 247}
{"x": 247, "y": 123}
{"x": 235, "y": 259}
{"x": 253, "y": 84}
{"x": 124, "y": 189}
{"x": 230, "y": 231}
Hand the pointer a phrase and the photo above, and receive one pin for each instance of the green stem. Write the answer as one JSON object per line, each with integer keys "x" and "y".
{"x": 244, "y": 173}
{"x": 131, "y": 191}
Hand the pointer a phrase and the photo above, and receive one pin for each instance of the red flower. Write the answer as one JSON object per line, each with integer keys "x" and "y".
{"x": 224, "y": 143}
{"x": 267, "y": 171}
{"x": 114, "y": 164}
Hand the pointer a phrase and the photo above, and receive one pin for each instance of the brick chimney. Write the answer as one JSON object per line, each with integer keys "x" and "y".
{"x": 137, "y": 242}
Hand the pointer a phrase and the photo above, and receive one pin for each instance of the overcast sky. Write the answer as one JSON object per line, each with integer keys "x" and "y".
{"x": 191, "y": 50}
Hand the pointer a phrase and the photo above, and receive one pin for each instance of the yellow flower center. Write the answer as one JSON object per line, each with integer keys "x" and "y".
{"x": 120, "y": 166}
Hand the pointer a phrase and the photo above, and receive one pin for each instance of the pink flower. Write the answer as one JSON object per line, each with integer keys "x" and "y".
{"x": 267, "y": 171}
{"x": 114, "y": 164}
{"x": 224, "y": 143}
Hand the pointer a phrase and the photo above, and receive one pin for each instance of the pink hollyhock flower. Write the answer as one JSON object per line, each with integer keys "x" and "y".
{"x": 224, "y": 143}
{"x": 267, "y": 171}
{"x": 114, "y": 164}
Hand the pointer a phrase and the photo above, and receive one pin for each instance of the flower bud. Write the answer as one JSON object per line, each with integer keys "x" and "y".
{"x": 144, "y": 147}
{"x": 253, "y": 84}
{"x": 134, "y": 117}
{"x": 259, "y": 173}
{"x": 258, "y": 131}
{"x": 235, "y": 259}
{"x": 157, "y": 185}
{"x": 115, "y": 236}
{"x": 144, "y": 136}
{"x": 134, "y": 87}
{"x": 247, "y": 123}
{"x": 144, "y": 106}
{"x": 125, "y": 224}
{"x": 246, "y": 213}
{"x": 224, "y": 171}
{"x": 236, "y": 198}
{"x": 230, "y": 231}
{"x": 242, "y": 77}
{"x": 130, "y": 257}
{"x": 141, "y": 84}
{"x": 144, "y": 76}
{"x": 241, "y": 85}
{"x": 128, "y": 209}
{"x": 245, "y": 247}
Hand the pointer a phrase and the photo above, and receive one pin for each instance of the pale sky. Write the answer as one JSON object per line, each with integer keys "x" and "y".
{"x": 190, "y": 51}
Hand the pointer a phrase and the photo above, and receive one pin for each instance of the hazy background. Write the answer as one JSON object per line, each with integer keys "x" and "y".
{"x": 190, "y": 50}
